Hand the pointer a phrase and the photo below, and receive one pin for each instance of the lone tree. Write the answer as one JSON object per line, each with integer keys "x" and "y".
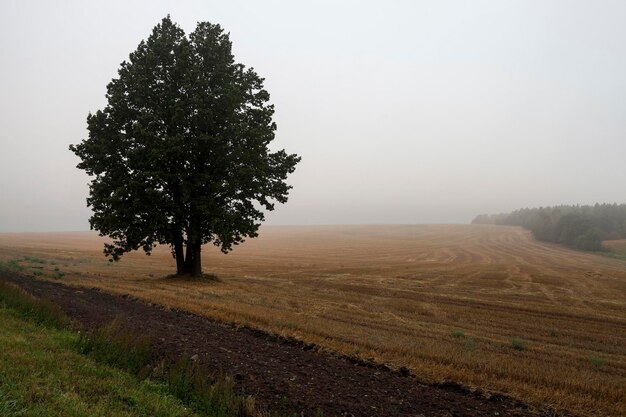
{"x": 180, "y": 154}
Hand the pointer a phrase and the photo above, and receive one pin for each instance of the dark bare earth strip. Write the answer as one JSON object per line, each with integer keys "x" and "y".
{"x": 286, "y": 376}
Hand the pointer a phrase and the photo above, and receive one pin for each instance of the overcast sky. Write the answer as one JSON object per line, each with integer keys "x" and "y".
{"x": 402, "y": 111}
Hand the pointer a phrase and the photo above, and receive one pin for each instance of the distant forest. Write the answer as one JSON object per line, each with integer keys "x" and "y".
{"x": 580, "y": 227}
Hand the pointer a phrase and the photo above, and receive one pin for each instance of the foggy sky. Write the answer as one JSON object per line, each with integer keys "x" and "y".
{"x": 402, "y": 111}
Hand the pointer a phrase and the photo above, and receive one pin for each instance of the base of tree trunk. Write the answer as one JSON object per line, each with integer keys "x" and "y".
{"x": 203, "y": 277}
{"x": 189, "y": 263}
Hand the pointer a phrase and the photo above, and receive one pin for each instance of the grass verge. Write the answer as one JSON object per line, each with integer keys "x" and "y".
{"x": 117, "y": 345}
{"x": 41, "y": 374}
{"x": 44, "y": 374}
{"x": 39, "y": 310}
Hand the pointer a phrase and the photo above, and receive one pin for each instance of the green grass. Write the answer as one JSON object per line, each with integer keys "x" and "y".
{"x": 115, "y": 345}
{"x": 597, "y": 361}
{"x": 33, "y": 266}
{"x": 615, "y": 255}
{"x": 32, "y": 260}
{"x": 518, "y": 344}
{"x": 41, "y": 311}
{"x": 212, "y": 396}
{"x": 112, "y": 345}
{"x": 41, "y": 374}
{"x": 11, "y": 265}
{"x": 457, "y": 333}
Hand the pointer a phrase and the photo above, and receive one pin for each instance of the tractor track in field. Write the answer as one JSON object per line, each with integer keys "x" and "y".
{"x": 286, "y": 376}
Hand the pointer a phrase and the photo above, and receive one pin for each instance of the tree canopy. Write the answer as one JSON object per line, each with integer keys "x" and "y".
{"x": 180, "y": 155}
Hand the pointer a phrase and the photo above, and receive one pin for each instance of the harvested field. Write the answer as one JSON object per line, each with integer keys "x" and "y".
{"x": 287, "y": 377}
{"x": 483, "y": 305}
{"x": 616, "y": 247}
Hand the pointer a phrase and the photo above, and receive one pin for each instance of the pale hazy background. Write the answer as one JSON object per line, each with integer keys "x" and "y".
{"x": 403, "y": 111}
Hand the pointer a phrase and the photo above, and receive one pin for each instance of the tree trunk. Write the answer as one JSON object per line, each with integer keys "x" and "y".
{"x": 187, "y": 266}
{"x": 193, "y": 259}
{"x": 179, "y": 254}
{"x": 197, "y": 261}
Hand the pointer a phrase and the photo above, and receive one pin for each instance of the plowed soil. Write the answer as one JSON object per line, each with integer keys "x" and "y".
{"x": 286, "y": 376}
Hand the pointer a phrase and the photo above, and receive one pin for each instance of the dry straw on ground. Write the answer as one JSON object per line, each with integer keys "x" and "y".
{"x": 483, "y": 305}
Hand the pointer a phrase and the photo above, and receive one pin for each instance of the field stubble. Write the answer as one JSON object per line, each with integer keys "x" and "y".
{"x": 483, "y": 305}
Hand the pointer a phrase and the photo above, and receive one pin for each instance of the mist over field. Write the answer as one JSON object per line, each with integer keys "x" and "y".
{"x": 316, "y": 257}
{"x": 403, "y": 112}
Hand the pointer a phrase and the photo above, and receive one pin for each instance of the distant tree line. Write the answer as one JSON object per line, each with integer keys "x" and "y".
{"x": 580, "y": 227}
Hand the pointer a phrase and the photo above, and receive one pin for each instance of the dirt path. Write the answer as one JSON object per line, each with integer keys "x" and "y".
{"x": 288, "y": 376}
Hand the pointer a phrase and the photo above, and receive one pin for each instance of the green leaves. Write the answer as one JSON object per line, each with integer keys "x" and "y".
{"x": 181, "y": 149}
